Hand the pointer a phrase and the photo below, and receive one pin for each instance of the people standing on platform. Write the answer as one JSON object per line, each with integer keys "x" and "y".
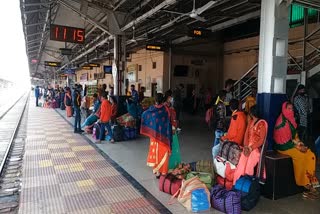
{"x": 220, "y": 117}
{"x": 156, "y": 124}
{"x": 104, "y": 88}
{"x": 62, "y": 95}
{"x": 111, "y": 91}
{"x": 105, "y": 117}
{"x": 254, "y": 138}
{"x": 68, "y": 102}
{"x": 76, "y": 105}
{"x": 251, "y": 99}
{"x": 177, "y": 101}
{"x": 229, "y": 95}
{"x": 134, "y": 94}
{"x": 302, "y": 107}
{"x": 141, "y": 94}
{"x": 37, "y": 95}
{"x": 237, "y": 128}
{"x": 288, "y": 143}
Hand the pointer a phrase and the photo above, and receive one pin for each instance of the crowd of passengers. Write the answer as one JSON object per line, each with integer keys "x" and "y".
{"x": 159, "y": 119}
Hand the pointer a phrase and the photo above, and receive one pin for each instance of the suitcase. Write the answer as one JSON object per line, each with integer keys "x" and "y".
{"x": 169, "y": 184}
{"x": 280, "y": 181}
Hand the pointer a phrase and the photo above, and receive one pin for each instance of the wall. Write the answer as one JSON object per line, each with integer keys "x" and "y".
{"x": 241, "y": 55}
{"x": 147, "y": 74}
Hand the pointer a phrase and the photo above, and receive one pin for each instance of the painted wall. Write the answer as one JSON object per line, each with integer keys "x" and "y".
{"x": 147, "y": 74}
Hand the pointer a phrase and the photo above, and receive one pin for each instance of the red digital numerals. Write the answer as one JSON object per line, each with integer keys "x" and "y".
{"x": 67, "y": 34}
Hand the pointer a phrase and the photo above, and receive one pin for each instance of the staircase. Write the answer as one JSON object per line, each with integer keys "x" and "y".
{"x": 242, "y": 88}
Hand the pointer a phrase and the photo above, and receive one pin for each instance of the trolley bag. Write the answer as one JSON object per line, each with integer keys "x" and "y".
{"x": 169, "y": 184}
{"x": 206, "y": 178}
{"x": 117, "y": 132}
{"x": 225, "y": 201}
{"x": 96, "y": 131}
{"x": 249, "y": 188}
{"x": 230, "y": 151}
{"x": 224, "y": 182}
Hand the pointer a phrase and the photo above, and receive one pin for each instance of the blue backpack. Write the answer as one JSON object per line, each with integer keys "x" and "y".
{"x": 250, "y": 191}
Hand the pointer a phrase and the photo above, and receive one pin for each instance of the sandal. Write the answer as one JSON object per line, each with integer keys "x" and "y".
{"x": 310, "y": 196}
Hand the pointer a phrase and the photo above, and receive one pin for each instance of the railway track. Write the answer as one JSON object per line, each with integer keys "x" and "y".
{"x": 13, "y": 133}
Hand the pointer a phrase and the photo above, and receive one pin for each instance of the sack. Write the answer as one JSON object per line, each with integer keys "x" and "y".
{"x": 117, "y": 132}
{"x": 225, "y": 201}
{"x": 206, "y": 178}
{"x": 187, "y": 188}
{"x": 181, "y": 171}
{"x": 249, "y": 188}
{"x": 205, "y": 166}
{"x": 221, "y": 166}
{"x": 169, "y": 184}
{"x": 96, "y": 131}
{"x": 224, "y": 182}
{"x": 175, "y": 157}
{"x": 130, "y": 133}
{"x": 230, "y": 151}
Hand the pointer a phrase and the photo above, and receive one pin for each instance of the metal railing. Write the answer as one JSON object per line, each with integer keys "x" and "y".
{"x": 242, "y": 88}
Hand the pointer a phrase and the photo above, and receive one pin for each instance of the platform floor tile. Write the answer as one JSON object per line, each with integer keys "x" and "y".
{"x": 63, "y": 173}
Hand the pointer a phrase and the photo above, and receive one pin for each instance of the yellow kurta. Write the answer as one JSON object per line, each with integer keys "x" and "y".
{"x": 303, "y": 163}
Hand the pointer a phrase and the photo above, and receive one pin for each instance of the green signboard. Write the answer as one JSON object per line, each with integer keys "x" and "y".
{"x": 296, "y": 15}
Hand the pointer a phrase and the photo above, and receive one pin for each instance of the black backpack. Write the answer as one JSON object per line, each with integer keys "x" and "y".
{"x": 117, "y": 132}
{"x": 250, "y": 191}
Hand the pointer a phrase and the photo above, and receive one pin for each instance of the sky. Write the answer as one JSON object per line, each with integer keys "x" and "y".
{"x": 13, "y": 58}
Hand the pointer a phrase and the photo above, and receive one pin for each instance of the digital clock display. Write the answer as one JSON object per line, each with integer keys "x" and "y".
{"x": 155, "y": 47}
{"x": 67, "y": 34}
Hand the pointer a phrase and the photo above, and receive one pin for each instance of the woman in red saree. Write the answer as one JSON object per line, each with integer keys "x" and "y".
{"x": 155, "y": 123}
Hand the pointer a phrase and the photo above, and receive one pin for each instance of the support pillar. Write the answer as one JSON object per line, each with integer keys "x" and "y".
{"x": 303, "y": 76}
{"x": 118, "y": 66}
{"x": 273, "y": 51}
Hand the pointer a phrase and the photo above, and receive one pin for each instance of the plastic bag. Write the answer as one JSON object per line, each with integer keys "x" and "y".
{"x": 175, "y": 157}
{"x": 199, "y": 200}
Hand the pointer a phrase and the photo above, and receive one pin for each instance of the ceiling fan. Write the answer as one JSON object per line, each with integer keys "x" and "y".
{"x": 195, "y": 13}
{"x": 134, "y": 39}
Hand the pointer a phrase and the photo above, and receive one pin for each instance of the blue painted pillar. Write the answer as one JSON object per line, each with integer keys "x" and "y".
{"x": 273, "y": 49}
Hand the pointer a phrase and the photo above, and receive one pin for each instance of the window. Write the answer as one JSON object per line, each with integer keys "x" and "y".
{"x": 140, "y": 67}
{"x": 154, "y": 65}
{"x": 296, "y": 15}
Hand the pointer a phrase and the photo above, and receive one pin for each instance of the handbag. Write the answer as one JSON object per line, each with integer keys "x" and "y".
{"x": 206, "y": 178}
{"x": 230, "y": 151}
{"x": 221, "y": 165}
{"x": 205, "y": 166}
{"x": 169, "y": 184}
{"x": 225, "y": 201}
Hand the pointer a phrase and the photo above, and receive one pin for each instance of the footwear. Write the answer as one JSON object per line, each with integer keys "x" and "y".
{"x": 75, "y": 131}
{"x": 112, "y": 141}
{"x": 310, "y": 195}
{"x": 80, "y": 131}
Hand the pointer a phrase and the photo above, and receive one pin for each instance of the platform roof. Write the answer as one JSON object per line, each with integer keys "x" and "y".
{"x": 150, "y": 19}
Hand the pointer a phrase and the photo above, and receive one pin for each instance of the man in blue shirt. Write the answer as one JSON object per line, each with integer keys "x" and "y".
{"x": 37, "y": 94}
{"x": 134, "y": 94}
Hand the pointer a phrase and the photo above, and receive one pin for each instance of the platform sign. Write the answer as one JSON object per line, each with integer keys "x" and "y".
{"x": 199, "y": 33}
{"x": 52, "y": 64}
{"x": 69, "y": 71}
{"x": 86, "y": 67}
{"x": 67, "y": 34}
{"x": 153, "y": 47}
{"x": 94, "y": 65}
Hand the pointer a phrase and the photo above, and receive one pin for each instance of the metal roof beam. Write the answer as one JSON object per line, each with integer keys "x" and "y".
{"x": 85, "y": 17}
{"x": 119, "y": 5}
{"x": 36, "y": 4}
{"x": 35, "y": 11}
{"x": 35, "y": 24}
{"x": 34, "y": 34}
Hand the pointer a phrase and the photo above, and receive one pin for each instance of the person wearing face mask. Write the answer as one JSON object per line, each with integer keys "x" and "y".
{"x": 302, "y": 109}
{"x": 287, "y": 142}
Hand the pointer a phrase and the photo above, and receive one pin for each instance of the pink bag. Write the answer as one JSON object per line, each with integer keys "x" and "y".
{"x": 169, "y": 184}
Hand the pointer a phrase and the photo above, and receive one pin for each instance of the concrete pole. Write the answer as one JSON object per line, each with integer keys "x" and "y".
{"x": 273, "y": 51}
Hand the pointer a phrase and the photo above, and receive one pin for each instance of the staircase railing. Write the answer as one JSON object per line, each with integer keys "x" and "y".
{"x": 242, "y": 88}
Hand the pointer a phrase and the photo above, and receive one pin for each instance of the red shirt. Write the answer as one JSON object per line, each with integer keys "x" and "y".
{"x": 237, "y": 128}
{"x": 105, "y": 111}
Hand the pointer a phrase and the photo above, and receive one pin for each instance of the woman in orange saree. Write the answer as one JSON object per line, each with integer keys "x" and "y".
{"x": 155, "y": 123}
